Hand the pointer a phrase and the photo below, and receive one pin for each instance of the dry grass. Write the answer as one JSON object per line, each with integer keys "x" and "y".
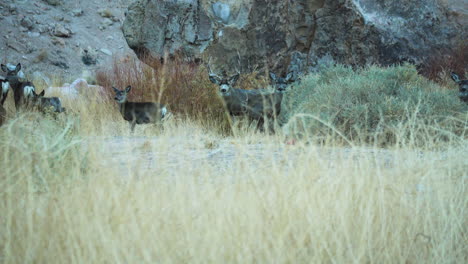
{"x": 67, "y": 196}
{"x": 438, "y": 66}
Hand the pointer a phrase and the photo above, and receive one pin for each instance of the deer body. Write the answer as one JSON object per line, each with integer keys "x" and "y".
{"x": 463, "y": 87}
{"x": 142, "y": 113}
{"x": 47, "y": 103}
{"x": 256, "y": 104}
{"x": 139, "y": 112}
{"x": 22, "y": 91}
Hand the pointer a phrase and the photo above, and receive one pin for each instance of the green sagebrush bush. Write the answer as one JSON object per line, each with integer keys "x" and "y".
{"x": 373, "y": 105}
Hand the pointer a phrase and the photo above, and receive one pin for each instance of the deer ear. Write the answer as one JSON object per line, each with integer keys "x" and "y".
{"x": 42, "y": 93}
{"x": 128, "y": 88}
{"x": 455, "y": 77}
{"x": 233, "y": 79}
{"x": 115, "y": 89}
{"x": 4, "y": 68}
{"x": 289, "y": 77}
{"x": 272, "y": 76}
{"x": 18, "y": 67}
{"x": 214, "y": 79}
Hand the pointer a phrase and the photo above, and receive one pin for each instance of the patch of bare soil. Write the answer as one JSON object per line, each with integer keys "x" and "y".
{"x": 150, "y": 155}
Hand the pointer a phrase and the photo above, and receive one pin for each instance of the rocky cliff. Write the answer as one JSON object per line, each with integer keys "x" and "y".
{"x": 294, "y": 35}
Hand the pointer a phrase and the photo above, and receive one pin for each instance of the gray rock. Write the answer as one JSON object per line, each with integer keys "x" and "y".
{"x": 60, "y": 63}
{"x": 253, "y": 34}
{"x": 294, "y": 36}
{"x": 106, "y": 51}
{"x": 381, "y": 32}
{"x": 34, "y": 34}
{"x": 54, "y": 2}
{"x": 222, "y": 11}
{"x": 43, "y": 29}
{"x": 89, "y": 56}
{"x": 27, "y": 22}
{"x": 77, "y": 12}
{"x": 61, "y": 31}
{"x": 107, "y": 22}
{"x": 58, "y": 41}
{"x": 59, "y": 18}
{"x": 12, "y": 8}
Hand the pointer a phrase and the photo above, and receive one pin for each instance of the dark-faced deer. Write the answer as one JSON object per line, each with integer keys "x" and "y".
{"x": 45, "y": 104}
{"x": 255, "y": 104}
{"x": 22, "y": 90}
{"x": 279, "y": 83}
{"x": 462, "y": 87}
{"x": 139, "y": 112}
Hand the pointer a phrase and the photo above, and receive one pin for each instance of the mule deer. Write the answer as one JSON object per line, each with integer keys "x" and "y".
{"x": 462, "y": 87}
{"x": 45, "y": 104}
{"x": 257, "y": 105}
{"x": 22, "y": 90}
{"x": 139, "y": 112}
{"x": 280, "y": 84}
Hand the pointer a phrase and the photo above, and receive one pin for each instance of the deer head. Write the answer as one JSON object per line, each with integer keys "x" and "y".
{"x": 121, "y": 95}
{"x": 280, "y": 83}
{"x": 225, "y": 84}
{"x": 12, "y": 70}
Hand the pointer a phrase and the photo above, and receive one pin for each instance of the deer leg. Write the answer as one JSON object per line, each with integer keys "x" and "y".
{"x": 16, "y": 97}
{"x": 271, "y": 123}
{"x": 132, "y": 126}
{"x": 4, "y": 97}
{"x": 261, "y": 124}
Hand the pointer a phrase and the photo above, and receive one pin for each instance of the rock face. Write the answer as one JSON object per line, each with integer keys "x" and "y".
{"x": 157, "y": 26}
{"x": 285, "y": 36}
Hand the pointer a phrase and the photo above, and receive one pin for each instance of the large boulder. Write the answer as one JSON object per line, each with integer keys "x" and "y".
{"x": 243, "y": 35}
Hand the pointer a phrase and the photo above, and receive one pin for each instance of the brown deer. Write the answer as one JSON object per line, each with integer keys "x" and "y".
{"x": 139, "y": 112}
{"x": 22, "y": 90}
{"x": 45, "y": 104}
{"x": 257, "y": 105}
{"x": 462, "y": 87}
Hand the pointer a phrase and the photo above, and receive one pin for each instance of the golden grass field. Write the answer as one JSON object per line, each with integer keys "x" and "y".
{"x": 82, "y": 189}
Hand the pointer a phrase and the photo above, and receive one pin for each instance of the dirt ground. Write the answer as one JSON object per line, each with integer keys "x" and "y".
{"x": 150, "y": 155}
